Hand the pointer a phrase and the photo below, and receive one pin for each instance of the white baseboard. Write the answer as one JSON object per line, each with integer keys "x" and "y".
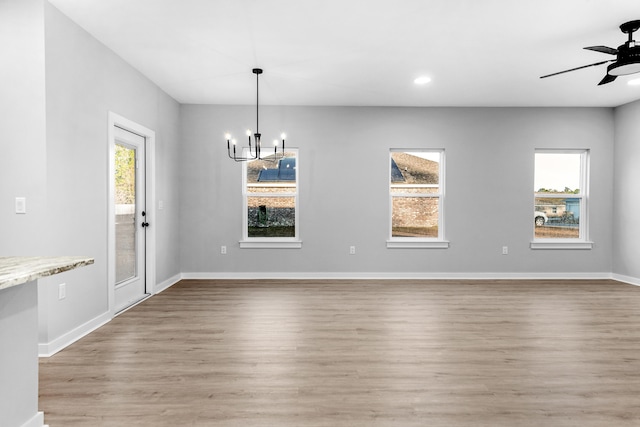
{"x": 36, "y": 421}
{"x": 54, "y": 346}
{"x": 626, "y": 279}
{"x": 159, "y": 287}
{"x": 397, "y": 276}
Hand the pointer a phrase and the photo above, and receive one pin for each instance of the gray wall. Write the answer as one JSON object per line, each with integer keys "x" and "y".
{"x": 54, "y": 143}
{"x": 22, "y": 128}
{"x": 626, "y": 227}
{"x": 84, "y": 81}
{"x": 343, "y": 187}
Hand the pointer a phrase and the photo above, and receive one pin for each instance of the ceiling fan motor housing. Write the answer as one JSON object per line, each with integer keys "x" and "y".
{"x": 628, "y": 58}
{"x": 628, "y": 61}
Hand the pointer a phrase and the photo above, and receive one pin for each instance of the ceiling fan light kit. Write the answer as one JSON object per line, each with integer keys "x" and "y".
{"x": 627, "y": 56}
{"x": 630, "y": 64}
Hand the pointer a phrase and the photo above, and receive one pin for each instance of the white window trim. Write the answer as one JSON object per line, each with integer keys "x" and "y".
{"x": 560, "y": 244}
{"x": 419, "y": 242}
{"x": 271, "y": 242}
{"x": 583, "y": 242}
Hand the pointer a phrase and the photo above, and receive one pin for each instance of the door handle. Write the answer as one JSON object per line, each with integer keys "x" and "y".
{"x": 144, "y": 223}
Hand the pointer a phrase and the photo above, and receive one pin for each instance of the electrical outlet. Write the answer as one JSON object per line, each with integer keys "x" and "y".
{"x": 223, "y": 250}
{"x": 352, "y": 250}
{"x": 505, "y": 250}
{"x": 62, "y": 291}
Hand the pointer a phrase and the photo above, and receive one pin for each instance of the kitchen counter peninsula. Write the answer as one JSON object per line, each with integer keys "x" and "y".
{"x": 19, "y": 334}
{"x": 18, "y": 270}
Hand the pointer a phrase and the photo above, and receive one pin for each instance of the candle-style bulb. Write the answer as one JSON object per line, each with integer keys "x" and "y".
{"x": 283, "y": 136}
{"x": 248, "y": 132}
{"x": 233, "y": 141}
{"x": 227, "y": 136}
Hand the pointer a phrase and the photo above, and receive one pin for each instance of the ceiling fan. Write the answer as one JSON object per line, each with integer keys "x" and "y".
{"x": 627, "y": 56}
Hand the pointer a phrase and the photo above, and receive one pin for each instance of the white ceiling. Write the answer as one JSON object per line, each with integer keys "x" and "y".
{"x": 367, "y": 52}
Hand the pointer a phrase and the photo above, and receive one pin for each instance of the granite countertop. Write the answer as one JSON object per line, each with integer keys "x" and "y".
{"x": 15, "y": 271}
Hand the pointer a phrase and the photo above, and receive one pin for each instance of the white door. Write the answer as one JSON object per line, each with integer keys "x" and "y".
{"x": 130, "y": 218}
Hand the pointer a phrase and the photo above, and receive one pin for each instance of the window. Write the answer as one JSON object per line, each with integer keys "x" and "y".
{"x": 561, "y": 199}
{"x": 271, "y": 202}
{"x": 416, "y": 194}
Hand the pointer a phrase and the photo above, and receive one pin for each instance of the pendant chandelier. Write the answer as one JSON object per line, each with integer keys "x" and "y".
{"x": 254, "y": 150}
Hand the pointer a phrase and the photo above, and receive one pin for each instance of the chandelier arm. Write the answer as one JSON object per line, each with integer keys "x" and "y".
{"x": 235, "y": 157}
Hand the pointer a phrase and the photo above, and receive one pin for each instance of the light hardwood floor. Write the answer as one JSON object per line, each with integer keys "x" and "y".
{"x": 358, "y": 353}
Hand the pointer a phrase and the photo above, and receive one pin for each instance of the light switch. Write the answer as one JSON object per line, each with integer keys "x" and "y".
{"x": 21, "y": 205}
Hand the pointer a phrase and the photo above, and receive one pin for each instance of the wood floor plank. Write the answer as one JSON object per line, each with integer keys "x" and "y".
{"x": 313, "y": 353}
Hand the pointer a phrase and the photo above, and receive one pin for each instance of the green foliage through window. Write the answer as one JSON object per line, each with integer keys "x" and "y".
{"x": 125, "y": 176}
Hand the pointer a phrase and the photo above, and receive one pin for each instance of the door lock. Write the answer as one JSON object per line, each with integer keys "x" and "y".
{"x": 144, "y": 223}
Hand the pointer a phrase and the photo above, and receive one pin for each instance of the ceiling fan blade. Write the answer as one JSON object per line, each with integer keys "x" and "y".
{"x": 603, "y": 49}
{"x": 607, "y": 79}
{"x": 578, "y": 68}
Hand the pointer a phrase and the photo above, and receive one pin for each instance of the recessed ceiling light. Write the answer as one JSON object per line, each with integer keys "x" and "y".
{"x": 634, "y": 82}
{"x": 422, "y": 80}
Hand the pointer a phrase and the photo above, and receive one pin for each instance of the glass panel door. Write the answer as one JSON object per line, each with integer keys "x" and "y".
{"x": 125, "y": 197}
{"x": 130, "y": 218}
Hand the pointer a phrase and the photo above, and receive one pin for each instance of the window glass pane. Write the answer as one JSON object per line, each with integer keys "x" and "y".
{"x": 557, "y": 218}
{"x": 415, "y": 167}
{"x": 271, "y": 196}
{"x": 414, "y": 217}
{"x": 282, "y": 171}
{"x": 415, "y": 172}
{"x": 125, "y": 210}
{"x": 271, "y": 216}
{"x": 557, "y": 173}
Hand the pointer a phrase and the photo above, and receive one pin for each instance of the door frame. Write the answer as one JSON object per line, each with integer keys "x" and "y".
{"x": 150, "y": 203}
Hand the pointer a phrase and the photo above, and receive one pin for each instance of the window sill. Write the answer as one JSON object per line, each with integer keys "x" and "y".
{"x": 270, "y": 244}
{"x": 561, "y": 245}
{"x": 421, "y": 244}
